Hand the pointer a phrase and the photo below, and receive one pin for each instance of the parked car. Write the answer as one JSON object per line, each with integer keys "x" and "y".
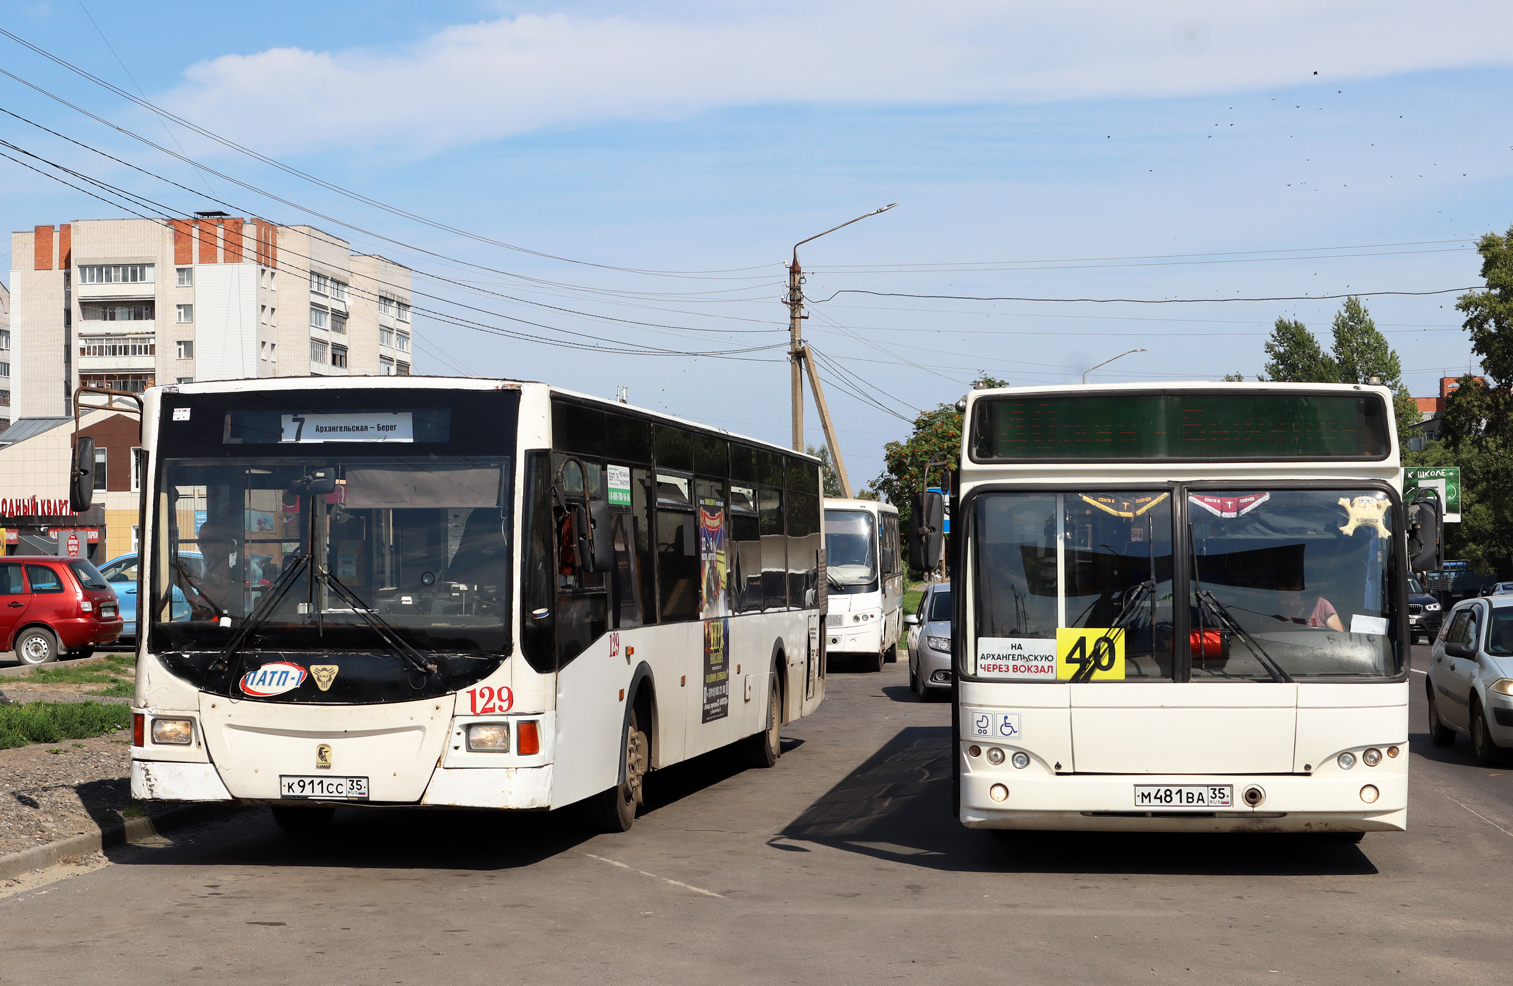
{"x": 1498, "y": 589}
{"x": 121, "y": 573}
{"x": 1470, "y": 679}
{"x": 55, "y": 606}
{"x": 930, "y": 642}
{"x": 1424, "y": 612}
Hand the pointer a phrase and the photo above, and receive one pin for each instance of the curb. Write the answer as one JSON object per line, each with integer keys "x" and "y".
{"x": 116, "y": 834}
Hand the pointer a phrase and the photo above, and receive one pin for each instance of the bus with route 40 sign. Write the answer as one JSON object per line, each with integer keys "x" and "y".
{"x": 1179, "y": 607}
{"x": 451, "y": 592}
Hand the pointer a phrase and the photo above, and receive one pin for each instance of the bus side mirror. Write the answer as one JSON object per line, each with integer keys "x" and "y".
{"x": 81, "y": 475}
{"x": 1425, "y": 531}
{"x": 592, "y": 535}
{"x": 927, "y": 536}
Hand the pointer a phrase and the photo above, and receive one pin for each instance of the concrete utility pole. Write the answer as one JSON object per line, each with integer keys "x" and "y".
{"x": 801, "y": 359}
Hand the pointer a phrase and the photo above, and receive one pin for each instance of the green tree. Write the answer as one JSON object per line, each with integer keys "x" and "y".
{"x": 1489, "y": 320}
{"x": 832, "y": 485}
{"x": 1296, "y": 356}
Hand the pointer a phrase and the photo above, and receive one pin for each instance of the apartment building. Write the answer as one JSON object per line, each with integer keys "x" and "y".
{"x": 5, "y": 355}
{"x": 127, "y": 304}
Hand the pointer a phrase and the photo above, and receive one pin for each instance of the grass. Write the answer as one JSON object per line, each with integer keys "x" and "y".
{"x": 54, "y": 722}
{"x": 117, "y": 672}
{"x": 912, "y": 598}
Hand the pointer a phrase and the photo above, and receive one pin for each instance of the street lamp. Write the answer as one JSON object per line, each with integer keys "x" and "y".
{"x": 1108, "y": 361}
{"x": 798, "y": 356}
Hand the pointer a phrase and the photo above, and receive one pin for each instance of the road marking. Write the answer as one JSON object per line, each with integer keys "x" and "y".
{"x": 1481, "y": 816}
{"x": 675, "y": 883}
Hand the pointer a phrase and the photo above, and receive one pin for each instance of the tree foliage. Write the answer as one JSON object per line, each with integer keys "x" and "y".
{"x": 1296, "y": 356}
{"x": 832, "y": 484}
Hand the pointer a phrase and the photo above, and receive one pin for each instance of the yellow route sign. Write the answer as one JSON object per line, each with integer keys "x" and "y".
{"x": 1089, "y": 654}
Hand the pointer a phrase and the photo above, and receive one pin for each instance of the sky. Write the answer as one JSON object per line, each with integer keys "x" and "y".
{"x": 607, "y": 195}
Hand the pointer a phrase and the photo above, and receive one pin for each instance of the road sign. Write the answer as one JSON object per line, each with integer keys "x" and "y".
{"x": 73, "y": 544}
{"x": 1445, "y": 479}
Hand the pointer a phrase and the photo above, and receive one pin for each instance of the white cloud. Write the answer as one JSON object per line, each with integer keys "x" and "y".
{"x": 497, "y": 78}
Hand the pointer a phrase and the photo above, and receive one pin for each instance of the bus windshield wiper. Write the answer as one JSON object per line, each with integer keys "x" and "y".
{"x": 380, "y": 626}
{"x": 1227, "y": 618}
{"x": 264, "y": 608}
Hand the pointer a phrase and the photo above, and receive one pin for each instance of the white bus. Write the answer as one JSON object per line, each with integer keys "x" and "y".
{"x": 477, "y": 593}
{"x": 864, "y": 568}
{"x": 1181, "y": 608}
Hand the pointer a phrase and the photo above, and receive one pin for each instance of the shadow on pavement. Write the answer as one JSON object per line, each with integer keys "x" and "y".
{"x": 899, "y": 806}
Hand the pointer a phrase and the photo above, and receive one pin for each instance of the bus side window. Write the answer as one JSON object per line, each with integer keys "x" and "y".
{"x": 538, "y": 571}
{"x": 645, "y": 570}
{"x": 803, "y": 551}
{"x": 774, "y": 549}
{"x": 582, "y": 596}
{"x": 745, "y": 550}
{"x": 677, "y": 550}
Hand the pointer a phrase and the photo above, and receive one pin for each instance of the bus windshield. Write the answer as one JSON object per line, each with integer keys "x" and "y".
{"x": 1283, "y": 584}
{"x": 850, "y": 547}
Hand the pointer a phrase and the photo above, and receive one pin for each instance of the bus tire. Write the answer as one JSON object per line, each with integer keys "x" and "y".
{"x": 1439, "y": 733}
{"x": 892, "y": 654}
{"x": 764, "y": 748}
{"x": 877, "y": 665}
{"x": 303, "y": 820}
{"x": 36, "y": 645}
{"x": 614, "y": 810}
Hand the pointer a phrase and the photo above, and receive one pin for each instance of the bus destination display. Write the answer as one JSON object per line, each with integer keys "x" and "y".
{"x": 1194, "y": 426}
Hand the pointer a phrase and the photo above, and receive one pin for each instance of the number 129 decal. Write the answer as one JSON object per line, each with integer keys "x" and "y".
{"x": 488, "y": 700}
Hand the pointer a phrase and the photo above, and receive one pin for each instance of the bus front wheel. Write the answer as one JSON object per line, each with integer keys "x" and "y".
{"x": 615, "y": 810}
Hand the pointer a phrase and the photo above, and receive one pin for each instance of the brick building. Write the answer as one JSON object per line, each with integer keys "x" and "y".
{"x": 127, "y": 304}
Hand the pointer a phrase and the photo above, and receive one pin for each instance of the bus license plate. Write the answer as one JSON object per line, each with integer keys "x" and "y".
{"x": 338, "y": 788}
{"x": 1184, "y": 796}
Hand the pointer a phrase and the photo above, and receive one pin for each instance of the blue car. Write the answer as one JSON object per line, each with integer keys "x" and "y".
{"x": 121, "y": 573}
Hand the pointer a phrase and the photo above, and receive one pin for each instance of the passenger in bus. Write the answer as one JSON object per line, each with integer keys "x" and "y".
{"x": 218, "y": 585}
{"x": 1306, "y": 609}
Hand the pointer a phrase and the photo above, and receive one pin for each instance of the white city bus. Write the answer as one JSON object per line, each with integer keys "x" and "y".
{"x": 1181, "y": 608}
{"x": 864, "y": 570}
{"x": 411, "y": 591}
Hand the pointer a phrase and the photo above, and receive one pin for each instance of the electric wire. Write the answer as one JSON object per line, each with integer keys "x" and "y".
{"x": 1136, "y": 301}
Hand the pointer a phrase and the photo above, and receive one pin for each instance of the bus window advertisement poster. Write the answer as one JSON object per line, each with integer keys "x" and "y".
{"x": 713, "y": 563}
{"x": 716, "y": 669}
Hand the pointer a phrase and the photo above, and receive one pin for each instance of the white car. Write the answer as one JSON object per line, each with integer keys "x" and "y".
{"x": 1470, "y": 678}
{"x": 930, "y": 643}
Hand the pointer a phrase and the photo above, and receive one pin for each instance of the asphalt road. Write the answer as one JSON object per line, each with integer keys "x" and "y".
{"x": 841, "y": 865}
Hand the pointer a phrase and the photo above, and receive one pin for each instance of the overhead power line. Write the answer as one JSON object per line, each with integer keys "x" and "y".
{"x": 1135, "y": 301}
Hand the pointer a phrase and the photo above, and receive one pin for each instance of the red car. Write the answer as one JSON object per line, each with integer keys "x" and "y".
{"x": 53, "y": 606}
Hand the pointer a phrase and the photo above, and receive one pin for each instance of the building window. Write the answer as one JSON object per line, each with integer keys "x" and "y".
{"x": 385, "y": 366}
{"x": 338, "y": 291}
{"x": 132, "y": 383}
{"x": 319, "y": 283}
{"x": 186, "y": 312}
{"x": 262, "y": 314}
{"x": 273, "y": 352}
{"x": 101, "y": 458}
{"x": 5, "y": 369}
{"x": 140, "y": 312}
{"x": 404, "y": 312}
{"x": 186, "y": 380}
{"x": 338, "y": 323}
{"x": 138, "y": 470}
{"x": 186, "y": 349}
{"x": 273, "y": 280}
{"x": 186, "y": 276}
{"x": 402, "y": 341}
{"x": 272, "y": 316}
{"x": 339, "y": 356}
{"x": 136, "y": 538}
{"x": 116, "y": 274}
{"x": 317, "y": 352}
{"x": 117, "y": 346}
{"x": 5, "y": 339}
{"x": 401, "y": 369}
{"x": 386, "y": 337}
{"x": 317, "y": 318}
{"x": 385, "y": 305}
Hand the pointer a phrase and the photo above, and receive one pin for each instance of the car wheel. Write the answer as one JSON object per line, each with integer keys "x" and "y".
{"x": 36, "y": 645}
{"x": 303, "y": 820}
{"x": 1486, "y": 752}
{"x": 913, "y": 679}
{"x": 1439, "y": 733}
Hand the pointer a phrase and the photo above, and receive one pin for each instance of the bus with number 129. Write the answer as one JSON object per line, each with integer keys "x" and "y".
{"x": 1179, "y": 608}
{"x": 477, "y": 593}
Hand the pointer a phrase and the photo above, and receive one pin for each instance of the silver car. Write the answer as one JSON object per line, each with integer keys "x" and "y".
{"x": 930, "y": 643}
{"x": 1470, "y": 678}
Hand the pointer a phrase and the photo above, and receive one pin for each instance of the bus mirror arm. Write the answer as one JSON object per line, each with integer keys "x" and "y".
{"x": 926, "y": 539}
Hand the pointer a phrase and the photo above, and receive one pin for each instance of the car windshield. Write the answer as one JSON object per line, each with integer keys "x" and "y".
{"x": 940, "y": 606}
{"x": 850, "y": 547}
{"x": 1415, "y": 587}
{"x": 1500, "y": 633}
{"x": 89, "y": 576}
{"x": 1283, "y": 584}
{"x": 121, "y": 570}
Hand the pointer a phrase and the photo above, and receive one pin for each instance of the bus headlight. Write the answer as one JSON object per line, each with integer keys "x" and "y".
{"x": 1371, "y": 757}
{"x": 488, "y": 737}
{"x": 1346, "y": 760}
{"x": 173, "y": 732}
{"x": 939, "y": 643}
{"x": 1021, "y": 760}
{"x": 995, "y": 756}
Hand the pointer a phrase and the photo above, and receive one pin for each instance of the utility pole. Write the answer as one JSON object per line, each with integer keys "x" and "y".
{"x": 800, "y": 360}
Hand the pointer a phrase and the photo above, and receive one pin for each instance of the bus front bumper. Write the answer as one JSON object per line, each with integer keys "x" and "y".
{"x": 1106, "y": 802}
{"x": 864, "y": 638}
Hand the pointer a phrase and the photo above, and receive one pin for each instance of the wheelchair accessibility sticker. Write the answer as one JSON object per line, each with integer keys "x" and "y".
{"x": 983, "y": 724}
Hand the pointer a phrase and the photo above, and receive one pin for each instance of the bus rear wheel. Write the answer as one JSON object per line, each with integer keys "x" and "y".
{"x": 303, "y": 820}
{"x": 763, "y": 749}
{"x": 614, "y": 810}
